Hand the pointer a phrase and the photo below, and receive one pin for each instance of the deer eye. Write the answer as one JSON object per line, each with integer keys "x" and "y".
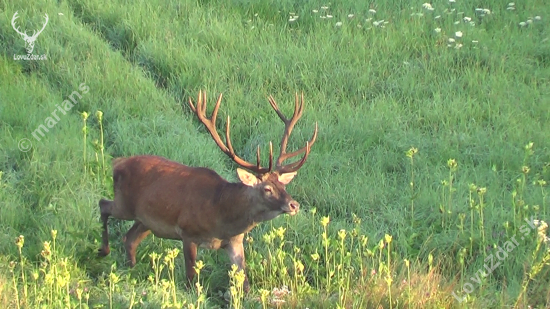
{"x": 268, "y": 190}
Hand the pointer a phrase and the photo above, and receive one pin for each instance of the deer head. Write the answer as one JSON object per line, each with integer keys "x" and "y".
{"x": 269, "y": 181}
{"x": 29, "y": 40}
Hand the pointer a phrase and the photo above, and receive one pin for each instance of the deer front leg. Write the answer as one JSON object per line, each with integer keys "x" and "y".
{"x": 235, "y": 250}
{"x": 190, "y": 254}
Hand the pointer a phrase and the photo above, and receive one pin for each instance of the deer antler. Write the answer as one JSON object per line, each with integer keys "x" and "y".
{"x": 227, "y": 148}
{"x": 289, "y": 125}
{"x": 210, "y": 124}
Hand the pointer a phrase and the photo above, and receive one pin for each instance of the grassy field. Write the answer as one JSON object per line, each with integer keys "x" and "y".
{"x": 427, "y": 186}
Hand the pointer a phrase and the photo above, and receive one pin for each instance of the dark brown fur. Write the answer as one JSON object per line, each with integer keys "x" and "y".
{"x": 192, "y": 204}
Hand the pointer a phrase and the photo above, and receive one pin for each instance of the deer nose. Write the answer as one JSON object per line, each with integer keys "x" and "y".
{"x": 294, "y": 206}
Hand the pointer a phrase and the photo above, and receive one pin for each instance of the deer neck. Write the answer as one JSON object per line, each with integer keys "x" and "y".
{"x": 244, "y": 208}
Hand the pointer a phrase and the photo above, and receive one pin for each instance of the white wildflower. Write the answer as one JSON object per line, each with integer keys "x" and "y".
{"x": 437, "y": 17}
{"x": 329, "y": 16}
{"x": 338, "y": 24}
{"x": 437, "y": 30}
{"x": 472, "y": 23}
{"x": 529, "y": 21}
{"x": 458, "y": 46}
{"x": 538, "y": 17}
{"x": 523, "y": 24}
{"x": 372, "y": 11}
{"x": 483, "y": 12}
{"x": 451, "y": 40}
{"x": 452, "y": 1}
{"x": 315, "y": 11}
{"x": 458, "y": 34}
{"x": 475, "y": 41}
{"x": 350, "y": 16}
{"x": 324, "y": 7}
{"x": 379, "y": 23}
{"x": 467, "y": 19}
{"x": 428, "y": 6}
{"x": 541, "y": 231}
{"x": 293, "y": 18}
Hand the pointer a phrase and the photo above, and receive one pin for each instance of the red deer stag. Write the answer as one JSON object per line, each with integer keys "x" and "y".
{"x": 195, "y": 204}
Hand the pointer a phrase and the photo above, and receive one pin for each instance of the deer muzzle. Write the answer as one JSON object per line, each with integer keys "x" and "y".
{"x": 292, "y": 207}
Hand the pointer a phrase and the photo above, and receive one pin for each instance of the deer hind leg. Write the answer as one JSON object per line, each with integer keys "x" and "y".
{"x": 116, "y": 209}
{"x": 105, "y": 208}
{"x": 133, "y": 237}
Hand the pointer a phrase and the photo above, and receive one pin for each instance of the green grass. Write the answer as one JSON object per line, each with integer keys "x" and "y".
{"x": 406, "y": 229}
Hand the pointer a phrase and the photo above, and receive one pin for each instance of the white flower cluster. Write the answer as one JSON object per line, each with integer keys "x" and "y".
{"x": 324, "y": 14}
{"x": 542, "y": 226}
{"x": 530, "y": 21}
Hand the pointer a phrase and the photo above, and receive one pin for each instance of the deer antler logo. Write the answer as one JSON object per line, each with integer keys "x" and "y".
{"x": 29, "y": 40}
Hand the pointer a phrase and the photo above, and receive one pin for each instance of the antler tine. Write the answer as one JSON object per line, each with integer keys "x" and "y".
{"x": 289, "y": 125}
{"x": 299, "y": 151}
{"x": 227, "y": 147}
{"x": 276, "y": 108}
{"x": 192, "y": 106}
{"x": 258, "y": 157}
{"x": 227, "y": 138}
{"x": 216, "y": 108}
{"x": 293, "y": 167}
{"x": 270, "y": 155}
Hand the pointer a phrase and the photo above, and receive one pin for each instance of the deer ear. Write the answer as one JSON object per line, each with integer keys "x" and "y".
{"x": 286, "y": 177}
{"x": 247, "y": 178}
